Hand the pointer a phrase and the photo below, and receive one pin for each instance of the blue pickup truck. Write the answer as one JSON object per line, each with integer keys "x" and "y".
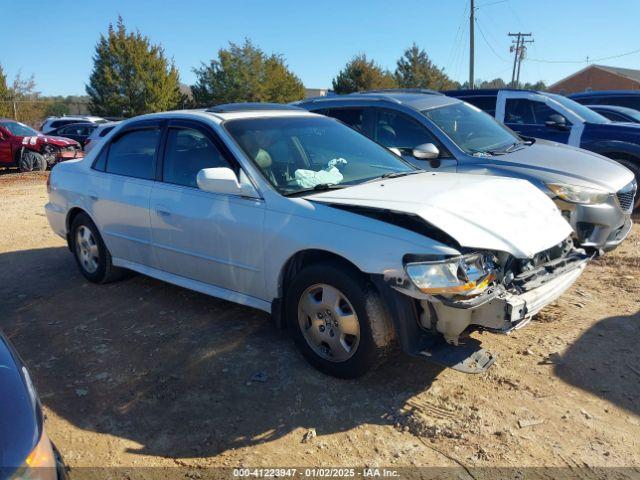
{"x": 557, "y": 118}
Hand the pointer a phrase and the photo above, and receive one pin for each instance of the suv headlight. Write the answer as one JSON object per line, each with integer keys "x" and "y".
{"x": 576, "y": 194}
{"x": 40, "y": 464}
{"x": 466, "y": 275}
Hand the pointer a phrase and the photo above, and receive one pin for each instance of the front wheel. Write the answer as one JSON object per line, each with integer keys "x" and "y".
{"x": 32, "y": 161}
{"x": 337, "y": 320}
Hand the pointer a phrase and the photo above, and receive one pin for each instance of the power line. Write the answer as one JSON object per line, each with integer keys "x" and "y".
{"x": 488, "y": 43}
{"x": 590, "y": 60}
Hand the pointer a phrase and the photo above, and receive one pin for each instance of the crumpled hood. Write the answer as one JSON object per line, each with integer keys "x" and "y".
{"x": 559, "y": 162}
{"x": 483, "y": 212}
{"x": 39, "y": 140}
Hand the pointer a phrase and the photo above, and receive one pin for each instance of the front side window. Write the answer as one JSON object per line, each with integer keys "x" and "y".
{"x": 133, "y": 154}
{"x": 19, "y": 129}
{"x": 299, "y": 153}
{"x": 472, "y": 130}
{"x": 580, "y": 110}
{"x": 526, "y": 112}
{"x": 187, "y": 152}
{"x": 395, "y": 129}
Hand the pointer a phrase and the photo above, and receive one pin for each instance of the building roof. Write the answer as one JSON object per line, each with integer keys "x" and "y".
{"x": 622, "y": 72}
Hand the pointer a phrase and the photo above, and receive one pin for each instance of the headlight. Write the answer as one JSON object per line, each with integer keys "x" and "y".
{"x": 467, "y": 275}
{"x": 576, "y": 194}
{"x": 40, "y": 464}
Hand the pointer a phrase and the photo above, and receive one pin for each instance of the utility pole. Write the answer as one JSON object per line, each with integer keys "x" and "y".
{"x": 471, "y": 46}
{"x": 519, "y": 48}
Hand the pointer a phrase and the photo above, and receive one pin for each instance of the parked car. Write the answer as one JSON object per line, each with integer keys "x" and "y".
{"x": 97, "y": 135}
{"x": 560, "y": 119}
{"x": 338, "y": 238}
{"x": 439, "y": 133}
{"x": 75, "y": 131}
{"x": 52, "y": 123}
{"x": 23, "y": 147}
{"x": 622, "y": 98}
{"x": 25, "y": 449}
{"x": 616, "y": 113}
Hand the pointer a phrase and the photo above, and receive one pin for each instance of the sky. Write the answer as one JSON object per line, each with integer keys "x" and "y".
{"x": 55, "y": 40}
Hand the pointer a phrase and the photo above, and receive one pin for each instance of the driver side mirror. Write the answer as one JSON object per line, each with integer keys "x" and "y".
{"x": 557, "y": 121}
{"x": 224, "y": 180}
{"x": 426, "y": 151}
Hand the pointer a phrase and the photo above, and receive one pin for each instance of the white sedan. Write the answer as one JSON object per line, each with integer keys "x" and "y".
{"x": 343, "y": 242}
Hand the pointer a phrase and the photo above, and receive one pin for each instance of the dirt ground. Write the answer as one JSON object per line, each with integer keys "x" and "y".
{"x": 141, "y": 373}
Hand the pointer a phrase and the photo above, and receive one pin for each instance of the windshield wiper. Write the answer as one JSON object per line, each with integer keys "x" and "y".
{"x": 321, "y": 187}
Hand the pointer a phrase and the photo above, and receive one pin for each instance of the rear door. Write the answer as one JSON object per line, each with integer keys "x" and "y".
{"x": 211, "y": 238}
{"x": 120, "y": 193}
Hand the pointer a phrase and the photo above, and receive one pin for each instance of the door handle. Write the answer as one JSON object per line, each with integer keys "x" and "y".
{"x": 163, "y": 211}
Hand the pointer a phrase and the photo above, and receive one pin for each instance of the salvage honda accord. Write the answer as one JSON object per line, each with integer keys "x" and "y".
{"x": 343, "y": 242}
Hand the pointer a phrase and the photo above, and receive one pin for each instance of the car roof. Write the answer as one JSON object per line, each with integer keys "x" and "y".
{"x": 485, "y": 91}
{"x": 419, "y": 99}
{"x": 615, "y": 108}
{"x": 598, "y": 93}
{"x": 221, "y": 116}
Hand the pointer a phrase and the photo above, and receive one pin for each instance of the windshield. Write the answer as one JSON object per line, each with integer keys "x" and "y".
{"x": 19, "y": 129}
{"x": 471, "y": 129}
{"x": 298, "y": 154}
{"x": 586, "y": 113}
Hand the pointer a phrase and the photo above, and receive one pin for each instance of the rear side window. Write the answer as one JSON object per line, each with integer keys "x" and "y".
{"x": 133, "y": 154}
{"x": 104, "y": 131}
{"x": 187, "y": 152}
{"x": 624, "y": 101}
{"x": 353, "y": 117}
{"x": 488, "y": 104}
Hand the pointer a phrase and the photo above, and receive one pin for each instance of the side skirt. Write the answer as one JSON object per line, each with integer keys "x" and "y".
{"x": 195, "y": 285}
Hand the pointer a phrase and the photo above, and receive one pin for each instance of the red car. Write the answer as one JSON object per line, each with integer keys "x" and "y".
{"x": 23, "y": 147}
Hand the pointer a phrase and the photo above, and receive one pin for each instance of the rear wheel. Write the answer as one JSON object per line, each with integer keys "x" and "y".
{"x": 91, "y": 254}
{"x": 337, "y": 320}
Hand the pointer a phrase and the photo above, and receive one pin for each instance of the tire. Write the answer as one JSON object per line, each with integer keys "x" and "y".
{"x": 91, "y": 254}
{"x": 25, "y": 162}
{"x": 635, "y": 169}
{"x": 319, "y": 295}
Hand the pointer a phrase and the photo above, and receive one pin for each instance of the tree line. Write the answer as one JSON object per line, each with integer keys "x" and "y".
{"x": 131, "y": 76}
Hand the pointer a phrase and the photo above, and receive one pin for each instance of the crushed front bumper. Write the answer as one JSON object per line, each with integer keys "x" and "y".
{"x": 497, "y": 309}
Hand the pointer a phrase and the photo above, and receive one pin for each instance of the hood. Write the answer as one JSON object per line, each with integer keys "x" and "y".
{"x": 41, "y": 140}
{"x": 481, "y": 212}
{"x": 551, "y": 161}
{"x": 19, "y": 428}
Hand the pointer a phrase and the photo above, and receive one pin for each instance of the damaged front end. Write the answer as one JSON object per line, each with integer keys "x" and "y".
{"x": 54, "y": 154}
{"x": 487, "y": 290}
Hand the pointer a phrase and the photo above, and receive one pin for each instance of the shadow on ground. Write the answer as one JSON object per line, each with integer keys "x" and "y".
{"x": 172, "y": 369}
{"x": 614, "y": 373}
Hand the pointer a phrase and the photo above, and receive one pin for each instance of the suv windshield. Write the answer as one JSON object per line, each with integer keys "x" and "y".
{"x": 586, "y": 113}
{"x": 471, "y": 129}
{"x": 19, "y": 129}
{"x": 298, "y": 154}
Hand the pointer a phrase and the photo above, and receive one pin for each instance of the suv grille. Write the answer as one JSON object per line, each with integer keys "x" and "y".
{"x": 626, "y": 195}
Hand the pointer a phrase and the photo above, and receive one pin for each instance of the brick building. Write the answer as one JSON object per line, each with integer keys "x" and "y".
{"x": 598, "y": 77}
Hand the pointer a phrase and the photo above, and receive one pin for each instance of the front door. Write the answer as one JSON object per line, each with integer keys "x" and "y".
{"x": 211, "y": 238}
{"x": 6, "y": 153}
{"x": 403, "y": 133}
{"x": 528, "y": 117}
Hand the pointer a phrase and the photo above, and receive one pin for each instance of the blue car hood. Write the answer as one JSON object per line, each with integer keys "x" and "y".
{"x": 19, "y": 420}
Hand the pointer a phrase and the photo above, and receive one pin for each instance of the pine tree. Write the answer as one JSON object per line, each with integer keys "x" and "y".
{"x": 131, "y": 76}
{"x": 244, "y": 73}
{"x": 361, "y": 74}
{"x": 415, "y": 70}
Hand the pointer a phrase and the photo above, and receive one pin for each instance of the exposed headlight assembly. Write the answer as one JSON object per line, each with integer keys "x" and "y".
{"x": 576, "y": 194}
{"x": 467, "y": 275}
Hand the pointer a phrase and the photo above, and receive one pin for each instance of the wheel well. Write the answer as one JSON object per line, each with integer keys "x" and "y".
{"x": 622, "y": 156}
{"x": 295, "y": 264}
{"x": 73, "y": 213}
